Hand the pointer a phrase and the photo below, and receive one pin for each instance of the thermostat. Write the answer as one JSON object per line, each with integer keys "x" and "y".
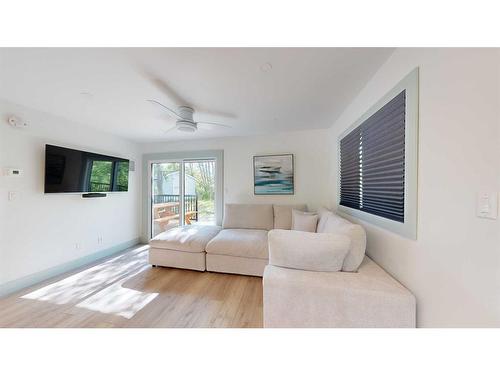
{"x": 487, "y": 205}
{"x": 12, "y": 172}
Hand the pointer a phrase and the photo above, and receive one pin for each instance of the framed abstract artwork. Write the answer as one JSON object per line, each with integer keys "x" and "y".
{"x": 273, "y": 174}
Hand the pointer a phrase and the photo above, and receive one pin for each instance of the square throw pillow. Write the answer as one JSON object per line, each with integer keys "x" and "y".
{"x": 283, "y": 214}
{"x": 304, "y": 221}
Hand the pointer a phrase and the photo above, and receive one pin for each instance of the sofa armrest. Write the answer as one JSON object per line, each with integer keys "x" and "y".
{"x": 307, "y": 251}
{"x": 367, "y": 298}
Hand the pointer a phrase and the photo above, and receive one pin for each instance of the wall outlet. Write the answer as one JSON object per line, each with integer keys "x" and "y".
{"x": 99, "y": 240}
{"x": 78, "y": 246}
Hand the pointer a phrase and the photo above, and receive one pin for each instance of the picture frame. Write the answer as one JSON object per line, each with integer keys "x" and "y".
{"x": 274, "y": 174}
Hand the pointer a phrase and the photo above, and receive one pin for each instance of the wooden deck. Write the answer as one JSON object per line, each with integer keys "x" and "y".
{"x": 125, "y": 291}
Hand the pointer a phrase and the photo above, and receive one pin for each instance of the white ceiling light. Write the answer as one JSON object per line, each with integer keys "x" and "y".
{"x": 186, "y": 126}
{"x": 86, "y": 94}
{"x": 267, "y": 67}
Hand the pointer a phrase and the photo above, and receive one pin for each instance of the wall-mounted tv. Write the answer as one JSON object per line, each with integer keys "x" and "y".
{"x": 74, "y": 171}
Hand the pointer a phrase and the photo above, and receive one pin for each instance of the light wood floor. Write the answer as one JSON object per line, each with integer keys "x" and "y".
{"x": 125, "y": 291}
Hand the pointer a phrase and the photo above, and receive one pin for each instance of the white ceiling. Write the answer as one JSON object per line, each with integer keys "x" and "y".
{"x": 307, "y": 88}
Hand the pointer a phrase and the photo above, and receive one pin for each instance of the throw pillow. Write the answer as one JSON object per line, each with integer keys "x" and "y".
{"x": 304, "y": 221}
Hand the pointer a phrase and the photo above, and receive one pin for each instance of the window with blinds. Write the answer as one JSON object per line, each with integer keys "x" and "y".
{"x": 372, "y": 163}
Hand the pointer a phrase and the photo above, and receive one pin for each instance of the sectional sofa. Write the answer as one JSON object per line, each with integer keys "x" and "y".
{"x": 320, "y": 279}
{"x": 240, "y": 246}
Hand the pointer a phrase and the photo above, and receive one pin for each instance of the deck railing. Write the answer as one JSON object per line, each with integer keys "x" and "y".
{"x": 190, "y": 202}
{"x": 99, "y": 186}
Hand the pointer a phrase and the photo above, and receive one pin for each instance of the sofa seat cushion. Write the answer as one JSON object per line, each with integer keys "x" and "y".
{"x": 190, "y": 238}
{"x": 249, "y": 243}
{"x": 368, "y": 298}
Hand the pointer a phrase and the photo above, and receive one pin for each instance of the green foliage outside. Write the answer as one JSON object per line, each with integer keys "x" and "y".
{"x": 122, "y": 176}
{"x": 206, "y": 209}
{"x": 101, "y": 176}
{"x": 204, "y": 175}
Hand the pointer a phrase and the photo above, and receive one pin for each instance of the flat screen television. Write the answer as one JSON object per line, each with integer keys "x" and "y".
{"x": 74, "y": 171}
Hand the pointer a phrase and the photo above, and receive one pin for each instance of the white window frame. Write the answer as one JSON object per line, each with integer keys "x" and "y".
{"x": 409, "y": 227}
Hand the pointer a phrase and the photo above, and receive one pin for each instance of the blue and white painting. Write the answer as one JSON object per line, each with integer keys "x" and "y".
{"x": 273, "y": 174}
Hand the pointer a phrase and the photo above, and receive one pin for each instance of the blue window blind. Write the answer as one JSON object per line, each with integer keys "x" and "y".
{"x": 372, "y": 163}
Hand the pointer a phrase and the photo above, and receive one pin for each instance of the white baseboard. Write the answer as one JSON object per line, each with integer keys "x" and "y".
{"x": 27, "y": 281}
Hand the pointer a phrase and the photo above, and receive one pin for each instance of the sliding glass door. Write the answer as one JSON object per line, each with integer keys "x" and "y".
{"x": 199, "y": 191}
{"x": 182, "y": 193}
{"x": 165, "y": 194}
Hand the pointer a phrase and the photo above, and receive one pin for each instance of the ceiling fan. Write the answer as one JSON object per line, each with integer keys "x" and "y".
{"x": 184, "y": 113}
{"x": 184, "y": 117}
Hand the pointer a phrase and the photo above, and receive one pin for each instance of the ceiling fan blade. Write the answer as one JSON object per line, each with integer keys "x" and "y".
{"x": 212, "y": 112}
{"x": 164, "y": 87}
{"x": 172, "y": 112}
{"x": 169, "y": 130}
{"x": 213, "y": 123}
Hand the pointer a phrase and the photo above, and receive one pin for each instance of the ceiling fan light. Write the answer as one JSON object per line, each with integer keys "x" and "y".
{"x": 186, "y": 126}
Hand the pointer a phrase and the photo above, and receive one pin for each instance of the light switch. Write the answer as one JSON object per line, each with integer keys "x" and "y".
{"x": 487, "y": 205}
{"x": 12, "y": 195}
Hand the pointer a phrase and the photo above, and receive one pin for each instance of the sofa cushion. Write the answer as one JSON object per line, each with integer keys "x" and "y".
{"x": 322, "y": 219}
{"x": 249, "y": 243}
{"x": 190, "y": 238}
{"x": 308, "y": 251}
{"x": 369, "y": 298}
{"x": 248, "y": 216}
{"x": 283, "y": 214}
{"x": 338, "y": 225}
{"x": 304, "y": 221}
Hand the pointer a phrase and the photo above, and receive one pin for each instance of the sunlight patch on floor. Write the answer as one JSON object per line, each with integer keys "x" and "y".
{"x": 118, "y": 300}
{"x": 100, "y": 288}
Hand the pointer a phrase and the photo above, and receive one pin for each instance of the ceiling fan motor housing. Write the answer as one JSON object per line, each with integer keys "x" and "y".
{"x": 186, "y": 113}
{"x": 187, "y": 123}
{"x": 184, "y": 116}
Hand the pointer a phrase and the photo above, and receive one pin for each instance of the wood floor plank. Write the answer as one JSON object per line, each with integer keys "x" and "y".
{"x": 125, "y": 291}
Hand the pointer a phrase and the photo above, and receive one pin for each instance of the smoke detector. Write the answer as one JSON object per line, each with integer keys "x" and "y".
{"x": 266, "y": 67}
{"x": 17, "y": 122}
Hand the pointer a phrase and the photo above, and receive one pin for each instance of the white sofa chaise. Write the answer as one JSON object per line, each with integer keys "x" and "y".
{"x": 182, "y": 247}
{"x": 325, "y": 280}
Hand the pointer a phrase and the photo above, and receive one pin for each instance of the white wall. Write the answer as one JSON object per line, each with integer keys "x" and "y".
{"x": 40, "y": 231}
{"x": 310, "y": 149}
{"x": 453, "y": 267}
